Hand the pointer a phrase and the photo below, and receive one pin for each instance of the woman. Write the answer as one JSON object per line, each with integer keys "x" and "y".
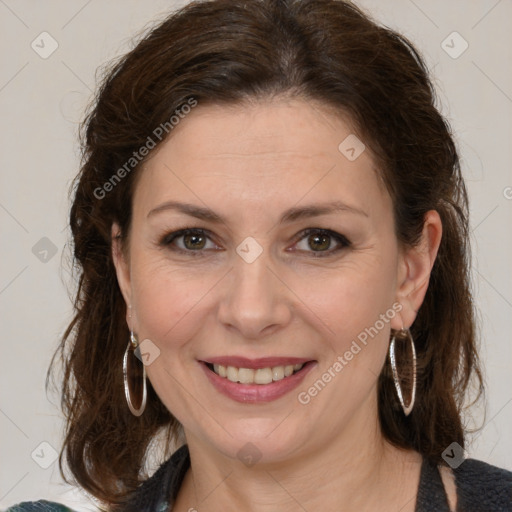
{"x": 271, "y": 229}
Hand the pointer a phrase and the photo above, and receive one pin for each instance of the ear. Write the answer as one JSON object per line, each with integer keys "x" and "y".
{"x": 122, "y": 266}
{"x": 414, "y": 268}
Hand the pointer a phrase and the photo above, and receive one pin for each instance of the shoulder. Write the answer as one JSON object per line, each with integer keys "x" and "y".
{"x": 482, "y": 486}
{"x": 39, "y": 506}
{"x": 155, "y": 494}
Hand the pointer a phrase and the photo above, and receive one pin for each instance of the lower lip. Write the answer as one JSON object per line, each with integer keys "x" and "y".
{"x": 254, "y": 393}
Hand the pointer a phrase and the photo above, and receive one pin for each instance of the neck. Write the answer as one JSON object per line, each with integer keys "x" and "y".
{"x": 352, "y": 470}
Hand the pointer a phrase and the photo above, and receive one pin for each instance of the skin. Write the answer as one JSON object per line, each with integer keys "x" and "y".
{"x": 249, "y": 163}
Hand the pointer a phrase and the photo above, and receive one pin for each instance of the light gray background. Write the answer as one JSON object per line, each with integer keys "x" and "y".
{"x": 41, "y": 102}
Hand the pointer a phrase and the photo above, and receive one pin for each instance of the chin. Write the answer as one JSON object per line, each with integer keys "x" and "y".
{"x": 259, "y": 440}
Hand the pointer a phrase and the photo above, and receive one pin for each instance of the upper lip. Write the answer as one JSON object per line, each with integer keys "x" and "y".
{"x": 263, "y": 362}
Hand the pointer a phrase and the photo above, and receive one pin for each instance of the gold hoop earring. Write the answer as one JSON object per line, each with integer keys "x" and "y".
{"x": 133, "y": 344}
{"x": 407, "y": 408}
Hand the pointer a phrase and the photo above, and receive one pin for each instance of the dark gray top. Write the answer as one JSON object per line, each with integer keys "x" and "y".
{"x": 481, "y": 487}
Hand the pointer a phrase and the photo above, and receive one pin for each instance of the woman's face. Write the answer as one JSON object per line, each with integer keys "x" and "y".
{"x": 255, "y": 290}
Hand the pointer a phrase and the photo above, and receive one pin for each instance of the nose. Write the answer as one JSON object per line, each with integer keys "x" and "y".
{"x": 255, "y": 300}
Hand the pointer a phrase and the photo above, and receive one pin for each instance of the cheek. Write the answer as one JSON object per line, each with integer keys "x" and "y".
{"x": 167, "y": 303}
{"x": 351, "y": 298}
{"x": 356, "y": 304}
{"x": 342, "y": 301}
{"x": 159, "y": 292}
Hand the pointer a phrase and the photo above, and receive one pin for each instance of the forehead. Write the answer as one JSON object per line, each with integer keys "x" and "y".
{"x": 260, "y": 156}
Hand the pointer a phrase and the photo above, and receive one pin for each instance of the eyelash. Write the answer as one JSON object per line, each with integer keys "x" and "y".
{"x": 169, "y": 238}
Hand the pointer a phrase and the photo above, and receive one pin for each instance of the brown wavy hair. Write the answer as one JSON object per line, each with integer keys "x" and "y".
{"x": 228, "y": 52}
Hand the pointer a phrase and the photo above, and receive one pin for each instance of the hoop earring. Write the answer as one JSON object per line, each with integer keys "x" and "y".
{"x": 406, "y": 408}
{"x": 133, "y": 344}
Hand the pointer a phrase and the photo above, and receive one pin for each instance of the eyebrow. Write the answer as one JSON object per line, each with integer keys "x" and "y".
{"x": 290, "y": 215}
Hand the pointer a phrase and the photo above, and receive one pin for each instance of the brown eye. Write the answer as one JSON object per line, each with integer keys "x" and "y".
{"x": 317, "y": 240}
{"x": 194, "y": 241}
{"x": 320, "y": 242}
{"x": 187, "y": 241}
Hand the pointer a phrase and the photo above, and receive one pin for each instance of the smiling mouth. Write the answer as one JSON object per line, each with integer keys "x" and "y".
{"x": 255, "y": 376}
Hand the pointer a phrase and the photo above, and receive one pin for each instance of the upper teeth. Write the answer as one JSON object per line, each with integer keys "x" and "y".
{"x": 259, "y": 376}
